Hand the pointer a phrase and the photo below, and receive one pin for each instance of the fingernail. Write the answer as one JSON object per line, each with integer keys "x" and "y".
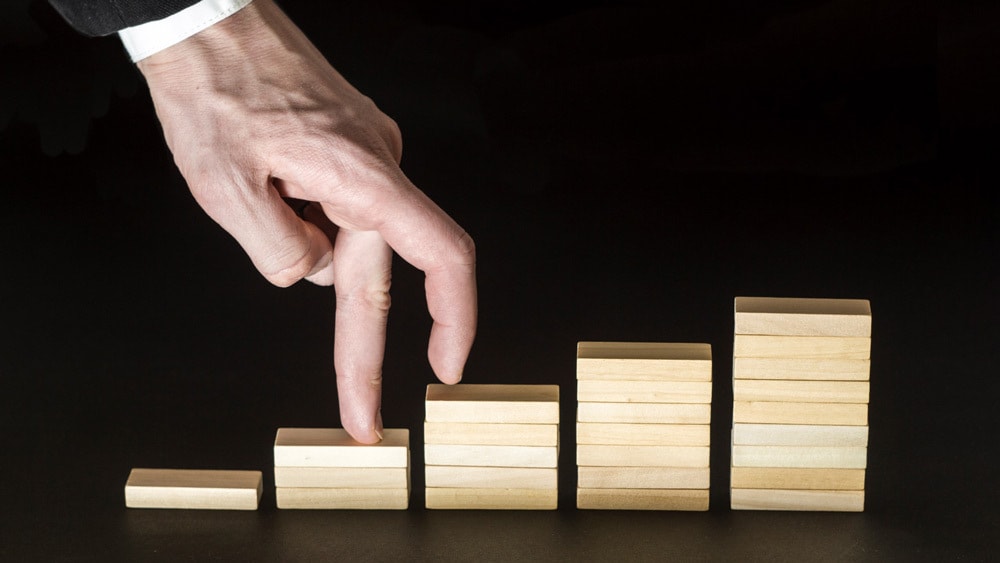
{"x": 378, "y": 425}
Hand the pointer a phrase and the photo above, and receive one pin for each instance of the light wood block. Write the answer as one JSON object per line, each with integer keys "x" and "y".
{"x": 842, "y": 414}
{"x": 799, "y": 435}
{"x": 491, "y": 456}
{"x": 645, "y": 413}
{"x": 490, "y": 403}
{"x": 642, "y": 499}
{"x": 209, "y": 489}
{"x": 334, "y": 447}
{"x": 622, "y": 434}
{"x": 800, "y": 391}
{"x": 800, "y": 456}
{"x": 803, "y": 317}
{"x": 342, "y": 499}
{"x": 797, "y": 478}
{"x": 642, "y": 456}
{"x": 816, "y": 347}
{"x": 643, "y": 477}
{"x": 342, "y": 477}
{"x": 491, "y": 477}
{"x": 806, "y": 369}
{"x": 450, "y": 498}
{"x": 595, "y": 391}
{"x": 648, "y": 361}
{"x": 794, "y": 500}
{"x": 482, "y": 434}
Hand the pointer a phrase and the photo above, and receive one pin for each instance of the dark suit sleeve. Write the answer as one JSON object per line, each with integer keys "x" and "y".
{"x": 104, "y": 17}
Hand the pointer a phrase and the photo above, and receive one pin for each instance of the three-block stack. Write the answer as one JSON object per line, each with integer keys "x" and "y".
{"x": 492, "y": 447}
{"x": 324, "y": 468}
{"x": 800, "y": 404}
{"x": 643, "y": 425}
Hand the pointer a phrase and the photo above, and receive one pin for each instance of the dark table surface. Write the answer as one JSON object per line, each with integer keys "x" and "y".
{"x": 625, "y": 170}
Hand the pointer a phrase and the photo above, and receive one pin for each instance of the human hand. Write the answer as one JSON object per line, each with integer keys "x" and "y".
{"x": 253, "y": 113}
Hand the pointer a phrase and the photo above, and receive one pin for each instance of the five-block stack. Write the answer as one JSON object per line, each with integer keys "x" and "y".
{"x": 324, "y": 468}
{"x": 800, "y": 404}
{"x": 492, "y": 447}
{"x": 643, "y": 425}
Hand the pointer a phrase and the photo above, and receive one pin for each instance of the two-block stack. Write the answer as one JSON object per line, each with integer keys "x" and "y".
{"x": 324, "y": 468}
{"x": 800, "y": 404}
{"x": 492, "y": 447}
{"x": 643, "y": 425}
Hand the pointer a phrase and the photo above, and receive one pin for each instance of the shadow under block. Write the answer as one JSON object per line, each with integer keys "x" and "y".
{"x": 620, "y": 434}
{"x": 491, "y": 434}
{"x": 803, "y": 317}
{"x": 454, "y": 498}
{"x": 596, "y": 391}
{"x": 797, "y": 478}
{"x": 804, "y": 369}
{"x": 799, "y": 435}
{"x": 334, "y": 447}
{"x": 464, "y": 477}
{"x": 642, "y": 456}
{"x": 645, "y": 413}
{"x": 491, "y": 456}
{"x": 815, "y": 347}
{"x": 797, "y": 500}
{"x": 210, "y": 489}
{"x": 801, "y": 391}
{"x": 642, "y": 499}
{"x": 643, "y": 477}
{"x": 345, "y": 499}
{"x": 492, "y": 403}
{"x": 845, "y": 414}
{"x": 643, "y": 361}
{"x": 800, "y": 456}
{"x": 342, "y": 477}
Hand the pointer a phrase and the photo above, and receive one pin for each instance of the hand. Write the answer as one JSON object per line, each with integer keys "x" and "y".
{"x": 253, "y": 113}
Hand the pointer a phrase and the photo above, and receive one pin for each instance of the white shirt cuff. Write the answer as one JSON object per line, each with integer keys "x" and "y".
{"x": 145, "y": 39}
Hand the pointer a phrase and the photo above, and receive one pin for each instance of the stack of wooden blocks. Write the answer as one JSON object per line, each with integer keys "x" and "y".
{"x": 324, "y": 468}
{"x": 643, "y": 425}
{"x": 492, "y": 447}
{"x": 800, "y": 404}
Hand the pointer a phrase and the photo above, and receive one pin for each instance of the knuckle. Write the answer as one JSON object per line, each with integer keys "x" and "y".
{"x": 371, "y": 299}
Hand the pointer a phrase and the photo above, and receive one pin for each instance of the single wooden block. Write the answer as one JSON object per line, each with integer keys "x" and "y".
{"x": 623, "y": 434}
{"x": 843, "y": 414}
{"x": 209, "y": 489}
{"x": 803, "y": 317}
{"x": 595, "y": 391}
{"x": 491, "y": 456}
{"x": 799, "y": 435}
{"x": 642, "y": 499}
{"x": 643, "y": 477}
{"x": 647, "y": 361}
{"x": 805, "y": 369}
{"x": 463, "y": 477}
{"x": 800, "y": 456}
{"x": 797, "y": 478}
{"x": 491, "y": 434}
{"x": 642, "y": 456}
{"x": 815, "y": 347}
{"x": 342, "y": 477}
{"x": 800, "y": 391}
{"x": 490, "y": 403}
{"x": 794, "y": 500}
{"x": 451, "y": 498}
{"x": 342, "y": 499}
{"x": 334, "y": 447}
{"x": 645, "y": 413}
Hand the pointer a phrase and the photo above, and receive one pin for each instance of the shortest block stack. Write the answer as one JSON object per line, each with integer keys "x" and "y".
{"x": 324, "y": 468}
{"x": 643, "y": 425}
{"x": 492, "y": 447}
{"x": 208, "y": 489}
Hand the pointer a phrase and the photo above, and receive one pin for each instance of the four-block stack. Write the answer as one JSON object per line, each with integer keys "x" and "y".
{"x": 643, "y": 425}
{"x": 800, "y": 404}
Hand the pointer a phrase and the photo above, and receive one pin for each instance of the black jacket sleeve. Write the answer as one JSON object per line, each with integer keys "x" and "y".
{"x": 104, "y": 17}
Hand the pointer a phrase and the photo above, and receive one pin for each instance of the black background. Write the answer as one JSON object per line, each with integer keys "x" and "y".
{"x": 626, "y": 170}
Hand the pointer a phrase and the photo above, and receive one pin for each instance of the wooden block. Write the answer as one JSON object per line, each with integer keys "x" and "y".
{"x": 491, "y": 456}
{"x": 797, "y": 478}
{"x": 450, "y": 498}
{"x": 209, "y": 489}
{"x": 803, "y": 317}
{"x": 643, "y": 477}
{"x": 642, "y": 456}
{"x": 646, "y": 361}
{"x": 491, "y": 477}
{"x": 845, "y": 414}
{"x": 645, "y": 413}
{"x": 619, "y": 434}
{"x": 342, "y": 499}
{"x": 484, "y": 434}
{"x": 804, "y": 369}
{"x": 793, "y": 500}
{"x": 799, "y": 435}
{"x": 642, "y": 499}
{"x": 334, "y": 447}
{"x": 489, "y": 403}
{"x": 595, "y": 391}
{"x": 800, "y": 391}
{"x": 815, "y": 347}
{"x": 342, "y": 477}
{"x": 800, "y": 456}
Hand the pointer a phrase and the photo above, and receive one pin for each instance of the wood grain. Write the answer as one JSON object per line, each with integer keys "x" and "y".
{"x": 624, "y": 434}
{"x": 642, "y": 456}
{"x": 645, "y": 413}
{"x": 800, "y": 456}
{"x": 796, "y": 500}
{"x": 449, "y": 498}
{"x": 491, "y": 456}
{"x": 811, "y": 369}
{"x": 802, "y": 317}
{"x": 490, "y": 403}
{"x": 797, "y": 478}
{"x": 643, "y": 477}
{"x": 799, "y": 435}
{"x": 644, "y": 391}
{"x": 642, "y": 499}
{"x": 485, "y": 434}
{"x": 207, "y": 489}
{"x": 491, "y": 477}
{"x": 800, "y": 391}
{"x": 342, "y": 477}
{"x": 342, "y": 499}
{"x": 650, "y": 361}
{"x": 333, "y": 447}
{"x": 845, "y": 414}
{"x": 815, "y": 347}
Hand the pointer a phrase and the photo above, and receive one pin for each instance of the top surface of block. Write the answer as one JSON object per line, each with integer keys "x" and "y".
{"x": 194, "y": 478}
{"x": 493, "y": 393}
{"x": 788, "y": 316}
{"x": 644, "y": 350}
{"x": 391, "y": 437}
